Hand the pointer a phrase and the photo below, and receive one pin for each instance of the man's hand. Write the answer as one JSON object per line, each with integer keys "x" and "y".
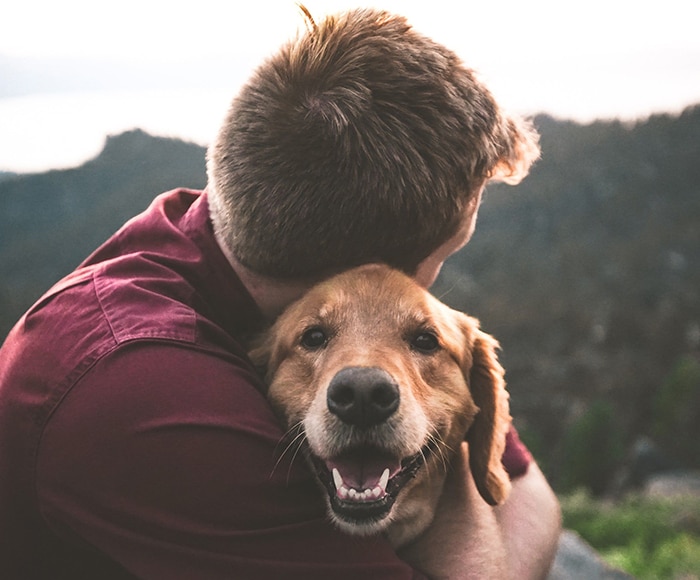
{"x": 470, "y": 539}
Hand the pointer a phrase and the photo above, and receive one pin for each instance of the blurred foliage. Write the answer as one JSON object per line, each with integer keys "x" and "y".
{"x": 677, "y": 409}
{"x": 648, "y": 538}
{"x": 593, "y": 449}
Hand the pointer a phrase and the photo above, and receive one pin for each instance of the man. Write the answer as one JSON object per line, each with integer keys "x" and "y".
{"x": 134, "y": 434}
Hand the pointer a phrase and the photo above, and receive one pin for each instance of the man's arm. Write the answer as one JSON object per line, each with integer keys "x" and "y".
{"x": 530, "y": 522}
{"x": 470, "y": 539}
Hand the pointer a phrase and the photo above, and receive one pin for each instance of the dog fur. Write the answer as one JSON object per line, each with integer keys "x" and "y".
{"x": 379, "y": 383}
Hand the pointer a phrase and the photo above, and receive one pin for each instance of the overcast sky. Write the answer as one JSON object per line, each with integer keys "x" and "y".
{"x": 582, "y": 60}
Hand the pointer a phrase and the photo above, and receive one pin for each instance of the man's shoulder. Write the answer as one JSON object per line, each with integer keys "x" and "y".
{"x": 140, "y": 299}
{"x": 111, "y": 303}
{"x": 101, "y": 307}
{"x": 98, "y": 328}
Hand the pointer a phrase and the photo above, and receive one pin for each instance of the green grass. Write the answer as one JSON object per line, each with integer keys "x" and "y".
{"x": 648, "y": 538}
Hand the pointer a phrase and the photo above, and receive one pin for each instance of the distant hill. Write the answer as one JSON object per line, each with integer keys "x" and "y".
{"x": 50, "y": 222}
{"x": 588, "y": 273}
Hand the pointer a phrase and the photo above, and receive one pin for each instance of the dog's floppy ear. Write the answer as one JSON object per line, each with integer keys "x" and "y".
{"x": 487, "y": 434}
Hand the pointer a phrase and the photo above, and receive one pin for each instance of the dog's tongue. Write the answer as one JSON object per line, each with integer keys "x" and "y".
{"x": 363, "y": 468}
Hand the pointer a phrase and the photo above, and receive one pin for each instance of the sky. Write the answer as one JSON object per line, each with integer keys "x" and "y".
{"x": 74, "y": 71}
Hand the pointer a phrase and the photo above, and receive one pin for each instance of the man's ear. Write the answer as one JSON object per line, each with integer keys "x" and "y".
{"x": 487, "y": 434}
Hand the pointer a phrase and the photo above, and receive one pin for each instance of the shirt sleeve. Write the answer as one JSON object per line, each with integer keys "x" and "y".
{"x": 516, "y": 457}
{"x": 168, "y": 460}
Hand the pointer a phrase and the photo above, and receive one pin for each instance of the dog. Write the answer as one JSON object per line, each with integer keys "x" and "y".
{"x": 380, "y": 383}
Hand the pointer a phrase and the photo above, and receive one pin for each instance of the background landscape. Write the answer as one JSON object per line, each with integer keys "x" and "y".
{"x": 588, "y": 273}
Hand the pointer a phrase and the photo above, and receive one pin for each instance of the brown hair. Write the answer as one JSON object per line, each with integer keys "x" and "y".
{"x": 360, "y": 140}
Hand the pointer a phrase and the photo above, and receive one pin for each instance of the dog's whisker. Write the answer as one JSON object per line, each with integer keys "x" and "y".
{"x": 290, "y": 434}
{"x": 296, "y": 452}
{"x": 446, "y": 292}
{"x": 439, "y": 449}
{"x": 425, "y": 459}
{"x": 295, "y": 440}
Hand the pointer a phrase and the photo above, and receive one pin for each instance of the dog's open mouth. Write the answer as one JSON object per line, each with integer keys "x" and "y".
{"x": 363, "y": 483}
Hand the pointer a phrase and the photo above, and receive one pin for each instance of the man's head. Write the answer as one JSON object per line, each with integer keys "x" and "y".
{"x": 359, "y": 141}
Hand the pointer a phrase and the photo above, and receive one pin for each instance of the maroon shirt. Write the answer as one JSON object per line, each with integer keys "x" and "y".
{"x": 135, "y": 440}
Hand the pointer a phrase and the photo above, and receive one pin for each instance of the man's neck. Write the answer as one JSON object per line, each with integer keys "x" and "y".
{"x": 272, "y": 295}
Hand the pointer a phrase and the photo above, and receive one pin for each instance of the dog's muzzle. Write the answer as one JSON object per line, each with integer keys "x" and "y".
{"x": 364, "y": 480}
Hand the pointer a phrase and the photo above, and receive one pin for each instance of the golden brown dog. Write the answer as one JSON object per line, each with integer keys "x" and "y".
{"x": 380, "y": 383}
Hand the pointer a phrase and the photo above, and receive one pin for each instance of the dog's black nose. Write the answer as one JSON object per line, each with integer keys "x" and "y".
{"x": 363, "y": 396}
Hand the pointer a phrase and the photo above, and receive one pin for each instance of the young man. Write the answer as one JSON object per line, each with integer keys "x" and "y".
{"x": 135, "y": 438}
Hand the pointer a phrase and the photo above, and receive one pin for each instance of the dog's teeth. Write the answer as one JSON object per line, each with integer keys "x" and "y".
{"x": 351, "y": 494}
{"x": 337, "y": 479}
{"x": 384, "y": 480}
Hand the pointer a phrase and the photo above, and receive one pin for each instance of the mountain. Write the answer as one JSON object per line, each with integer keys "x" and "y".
{"x": 588, "y": 273}
{"x": 50, "y": 222}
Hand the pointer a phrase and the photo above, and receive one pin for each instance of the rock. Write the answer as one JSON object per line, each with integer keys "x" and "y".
{"x": 644, "y": 460}
{"x": 673, "y": 484}
{"x": 577, "y": 560}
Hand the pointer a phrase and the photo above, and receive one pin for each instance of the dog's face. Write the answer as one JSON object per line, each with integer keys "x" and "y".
{"x": 383, "y": 382}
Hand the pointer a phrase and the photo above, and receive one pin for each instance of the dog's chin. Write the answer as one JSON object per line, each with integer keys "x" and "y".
{"x": 363, "y": 484}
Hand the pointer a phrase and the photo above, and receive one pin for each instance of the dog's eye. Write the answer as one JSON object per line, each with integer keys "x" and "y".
{"x": 314, "y": 338}
{"x": 425, "y": 342}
